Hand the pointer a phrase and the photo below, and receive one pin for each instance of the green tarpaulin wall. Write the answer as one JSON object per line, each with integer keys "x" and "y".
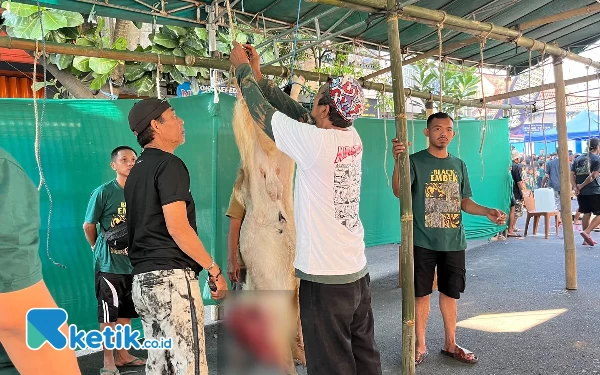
{"x": 78, "y": 136}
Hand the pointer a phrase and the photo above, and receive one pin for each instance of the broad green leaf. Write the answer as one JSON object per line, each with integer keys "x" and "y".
{"x": 71, "y": 33}
{"x": 105, "y": 41}
{"x": 21, "y": 10}
{"x": 161, "y": 50}
{"x": 178, "y": 52}
{"x": 224, "y": 37}
{"x": 201, "y": 32}
{"x": 53, "y": 21}
{"x": 82, "y": 63}
{"x": 139, "y": 49}
{"x": 133, "y": 72}
{"x": 40, "y": 85}
{"x": 241, "y": 38}
{"x": 139, "y": 25}
{"x": 102, "y": 66}
{"x": 63, "y": 61}
{"x": 168, "y": 33}
{"x": 99, "y": 27}
{"x": 223, "y": 48}
{"x": 73, "y": 19}
{"x": 190, "y": 51}
{"x": 194, "y": 43}
{"x": 58, "y": 37}
{"x": 99, "y": 81}
{"x": 76, "y": 72}
{"x": 12, "y": 20}
{"x": 165, "y": 41}
{"x": 148, "y": 66}
{"x": 177, "y": 76}
{"x": 179, "y": 31}
{"x": 204, "y": 73}
{"x": 144, "y": 85}
{"x": 84, "y": 42}
{"x": 30, "y": 30}
{"x": 120, "y": 44}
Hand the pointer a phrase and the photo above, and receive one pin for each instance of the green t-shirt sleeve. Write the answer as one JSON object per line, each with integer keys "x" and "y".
{"x": 465, "y": 186}
{"x": 20, "y": 265}
{"x": 95, "y": 207}
{"x": 282, "y": 102}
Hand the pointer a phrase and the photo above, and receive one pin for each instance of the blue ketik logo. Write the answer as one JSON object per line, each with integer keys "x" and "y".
{"x": 43, "y": 325}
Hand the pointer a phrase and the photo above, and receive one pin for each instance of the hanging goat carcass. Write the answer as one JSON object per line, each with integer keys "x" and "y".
{"x": 268, "y": 235}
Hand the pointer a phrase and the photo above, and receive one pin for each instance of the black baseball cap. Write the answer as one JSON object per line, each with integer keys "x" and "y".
{"x": 144, "y": 111}
{"x": 594, "y": 142}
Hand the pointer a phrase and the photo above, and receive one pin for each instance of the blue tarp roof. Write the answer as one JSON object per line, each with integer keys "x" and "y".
{"x": 581, "y": 126}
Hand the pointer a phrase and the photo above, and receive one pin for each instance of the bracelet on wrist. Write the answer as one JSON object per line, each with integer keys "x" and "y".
{"x": 211, "y": 266}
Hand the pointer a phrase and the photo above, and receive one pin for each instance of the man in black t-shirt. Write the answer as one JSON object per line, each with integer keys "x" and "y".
{"x": 585, "y": 171}
{"x": 517, "y": 193}
{"x": 164, "y": 248}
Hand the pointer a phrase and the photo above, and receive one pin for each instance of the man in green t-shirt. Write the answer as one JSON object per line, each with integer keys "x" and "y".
{"x": 21, "y": 285}
{"x": 440, "y": 192}
{"x": 111, "y": 262}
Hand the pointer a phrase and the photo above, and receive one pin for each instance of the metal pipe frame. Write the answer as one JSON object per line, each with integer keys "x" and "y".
{"x": 482, "y": 29}
{"x": 310, "y": 45}
{"x": 590, "y": 9}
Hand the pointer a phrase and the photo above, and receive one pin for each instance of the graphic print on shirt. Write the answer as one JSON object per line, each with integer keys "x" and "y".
{"x": 442, "y": 200}
{"x": 116, "y": 220}
{"x": 346, "y": 186}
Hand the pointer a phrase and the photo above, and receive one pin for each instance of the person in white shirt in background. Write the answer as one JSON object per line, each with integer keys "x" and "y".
{"x": 335, "y": 297}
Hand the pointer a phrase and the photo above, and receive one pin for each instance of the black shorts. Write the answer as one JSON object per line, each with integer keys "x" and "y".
{"x": 451, "y": 272}
{"x": 589, "y": 204}
{"x": 113, "y": 293}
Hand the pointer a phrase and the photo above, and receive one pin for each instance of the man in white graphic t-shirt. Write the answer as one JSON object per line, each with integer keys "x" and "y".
{"x": 335, "y": 297}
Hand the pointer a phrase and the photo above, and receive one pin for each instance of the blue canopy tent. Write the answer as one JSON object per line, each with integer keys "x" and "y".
{"x": 581, "y": 126}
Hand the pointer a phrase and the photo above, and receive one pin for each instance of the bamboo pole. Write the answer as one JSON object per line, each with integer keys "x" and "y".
{"x": 565, "y": 177}
{"x": 590, "y": 9}
{"x": 209, "y": 62}
{"x": 425, "y": 55}
{"x": 406, "y": 217}
{"x": 483, "y": 29}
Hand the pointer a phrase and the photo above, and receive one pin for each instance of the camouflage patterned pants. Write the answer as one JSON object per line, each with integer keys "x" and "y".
{"x": 170, "y": 305}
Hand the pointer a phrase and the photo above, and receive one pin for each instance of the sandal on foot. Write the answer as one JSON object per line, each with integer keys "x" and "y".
{"x": 420, "y": 357}
{"x": 461, "y": 354}
{"x": 133, "y": 363}
{"x": 104, "y": 371}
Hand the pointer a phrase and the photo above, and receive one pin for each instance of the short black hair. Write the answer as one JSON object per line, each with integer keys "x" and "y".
{"x": 440, "y": 115}
{"x": 114, "y": 152}
{"x": 336, "y": 119}
{"x": 147, "y": 135}
{"x": 594, "y": 143}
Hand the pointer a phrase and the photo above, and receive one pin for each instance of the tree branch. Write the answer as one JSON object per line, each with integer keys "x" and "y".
{"x": 75, "y": 87}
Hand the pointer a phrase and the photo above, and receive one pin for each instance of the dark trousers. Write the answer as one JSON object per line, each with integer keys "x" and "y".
{"x": 338, "y": 328}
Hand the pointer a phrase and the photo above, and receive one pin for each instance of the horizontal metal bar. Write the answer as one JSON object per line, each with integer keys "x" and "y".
{"x": 482, "y": 29}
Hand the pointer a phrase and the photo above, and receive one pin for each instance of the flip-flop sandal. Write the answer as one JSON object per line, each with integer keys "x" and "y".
{"x": 587, "y": 239}
{"x": 132, "y": 363}
{"x": 514, "y": 235}
{"x": 420, "y": 357}
{"x": 461, "y": 354}
{"x": 104, "y": 371}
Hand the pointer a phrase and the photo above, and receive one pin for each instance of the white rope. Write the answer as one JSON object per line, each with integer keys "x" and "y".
{"x": 543, "y": 124}
{"x": 484, "y": 129}
{"x": 441, "y": 69}
{"x": 38, "y": 132}
{"x": 457, "y": 128}
{"x": 158, "y": 70}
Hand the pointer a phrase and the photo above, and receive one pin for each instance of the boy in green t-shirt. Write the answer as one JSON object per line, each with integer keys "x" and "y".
{"x": 21, "y": 285}
{"x": 112, "y": 266}
{"x": 440, "y": 192}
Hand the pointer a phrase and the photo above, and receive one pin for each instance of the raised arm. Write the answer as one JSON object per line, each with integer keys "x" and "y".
{"x": 274, "y": 95}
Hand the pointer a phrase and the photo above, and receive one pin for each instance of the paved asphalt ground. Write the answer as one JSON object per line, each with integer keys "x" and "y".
{"x": 544, "y": 329}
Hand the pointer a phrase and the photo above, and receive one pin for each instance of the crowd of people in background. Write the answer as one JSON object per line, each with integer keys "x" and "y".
{"x": 531, "y": 172}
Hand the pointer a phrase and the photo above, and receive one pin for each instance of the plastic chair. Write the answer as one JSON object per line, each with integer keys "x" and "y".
{"x": 529, "y": 203}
